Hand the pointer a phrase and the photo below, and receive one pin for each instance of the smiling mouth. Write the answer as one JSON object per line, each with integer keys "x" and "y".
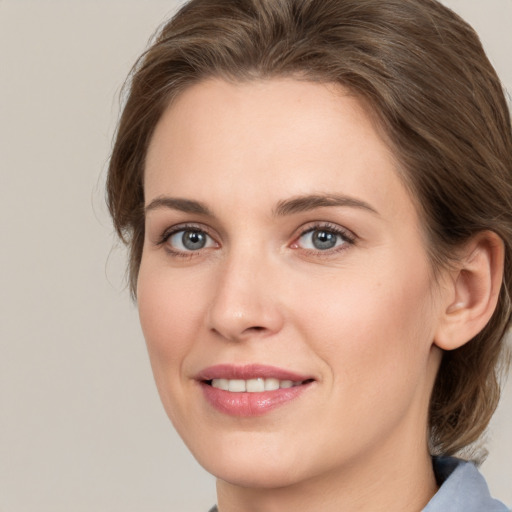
{"x": 255, "y": 385}
{"x": 251, "y": 390}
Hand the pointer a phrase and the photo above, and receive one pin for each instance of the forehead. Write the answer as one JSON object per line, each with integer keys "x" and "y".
{"x": 270, "y": 138}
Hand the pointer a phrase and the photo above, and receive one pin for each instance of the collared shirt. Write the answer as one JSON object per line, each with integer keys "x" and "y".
{"x": 462, "y": 489}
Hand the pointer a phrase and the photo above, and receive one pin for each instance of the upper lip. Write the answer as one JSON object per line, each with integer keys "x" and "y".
{"x": 249, "y": 371}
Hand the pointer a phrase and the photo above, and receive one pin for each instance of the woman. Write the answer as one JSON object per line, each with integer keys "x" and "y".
{"x": 317, "y": 197}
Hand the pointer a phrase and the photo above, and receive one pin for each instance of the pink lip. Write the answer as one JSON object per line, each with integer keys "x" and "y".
{"x": 250, "y": 371}
{"x": 250, "y": 404}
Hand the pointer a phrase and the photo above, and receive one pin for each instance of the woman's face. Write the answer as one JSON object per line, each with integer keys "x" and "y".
{"x": 282, "y": 250}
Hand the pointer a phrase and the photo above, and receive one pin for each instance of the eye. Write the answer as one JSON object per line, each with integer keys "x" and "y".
{"x": 323, "y": 238}
{"x": 188, "y": 240}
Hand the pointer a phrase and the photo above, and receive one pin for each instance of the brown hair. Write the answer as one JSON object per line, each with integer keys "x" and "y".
{"x": 423, "y": 73}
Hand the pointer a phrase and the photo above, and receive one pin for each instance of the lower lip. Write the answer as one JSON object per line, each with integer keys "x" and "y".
{"x": 250, "y": 404}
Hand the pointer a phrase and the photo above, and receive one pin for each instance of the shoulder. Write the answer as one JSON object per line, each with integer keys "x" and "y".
{"x": 462, "y": 488}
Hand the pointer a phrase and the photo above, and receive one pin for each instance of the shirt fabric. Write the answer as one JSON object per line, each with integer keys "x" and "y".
{"x": 462, "y": 489}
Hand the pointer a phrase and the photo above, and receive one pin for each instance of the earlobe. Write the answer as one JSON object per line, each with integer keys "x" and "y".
{"x": 473, "y": 291}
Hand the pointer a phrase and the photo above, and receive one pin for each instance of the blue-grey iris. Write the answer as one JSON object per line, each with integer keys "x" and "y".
{"x": 193, "y": 240}
{"x": 323, "y": 240}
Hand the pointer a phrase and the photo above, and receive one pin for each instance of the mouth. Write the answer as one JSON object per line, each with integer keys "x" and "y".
{"x": 251, "y": 390}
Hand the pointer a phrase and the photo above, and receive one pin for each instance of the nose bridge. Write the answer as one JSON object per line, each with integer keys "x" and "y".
{"x": 244, "y": 304}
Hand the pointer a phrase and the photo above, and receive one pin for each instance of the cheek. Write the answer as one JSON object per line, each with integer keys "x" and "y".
{"x": 169, "y": 313}
{"x": 373, "y": 335}
{"x": 377, "y": 324}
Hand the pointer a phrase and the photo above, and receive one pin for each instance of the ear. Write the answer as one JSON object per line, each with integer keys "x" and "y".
{"x": 472, "y": 292}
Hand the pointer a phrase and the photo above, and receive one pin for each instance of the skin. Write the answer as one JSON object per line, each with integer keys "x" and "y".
{"x": 361, "y": 318}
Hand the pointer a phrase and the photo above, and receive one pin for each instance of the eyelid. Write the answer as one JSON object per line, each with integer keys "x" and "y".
{"x": 346, "y": 234}
{"x": 186, "y": 226}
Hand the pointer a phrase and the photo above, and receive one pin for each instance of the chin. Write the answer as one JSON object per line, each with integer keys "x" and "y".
{"x": 252, "y": 474}
{"x": 255, "y": 463}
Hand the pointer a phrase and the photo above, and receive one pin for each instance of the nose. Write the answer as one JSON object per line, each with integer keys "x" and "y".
{"x": 245, "y": 302}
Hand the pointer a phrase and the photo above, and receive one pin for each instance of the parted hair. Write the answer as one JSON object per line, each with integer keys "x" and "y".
{"x": 421, "y": 72}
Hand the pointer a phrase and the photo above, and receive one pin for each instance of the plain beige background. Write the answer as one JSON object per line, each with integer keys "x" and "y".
{"x": 81, "y": 427}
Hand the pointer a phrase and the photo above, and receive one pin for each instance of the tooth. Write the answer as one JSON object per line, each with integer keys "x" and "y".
{"x": 255, "y": 385}
{"x": 271, "y": 384}
{"x": 237, "y": 385}
{"x": 220, "y": 384}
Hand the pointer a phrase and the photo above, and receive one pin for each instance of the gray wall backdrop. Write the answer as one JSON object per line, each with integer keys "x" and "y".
{"x": 81, "y": 426}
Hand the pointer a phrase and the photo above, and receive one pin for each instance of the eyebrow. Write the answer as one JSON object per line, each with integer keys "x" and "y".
{"x": 177, "y": 203}
{"x": 283, "y": 208}
{"x": 310, "y": 202}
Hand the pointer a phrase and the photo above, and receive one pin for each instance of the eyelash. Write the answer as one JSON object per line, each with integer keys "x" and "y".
{"x": 346, "y": 236}
{"x": 167, "y": 234}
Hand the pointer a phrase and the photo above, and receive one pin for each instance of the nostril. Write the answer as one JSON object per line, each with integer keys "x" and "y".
{"x": 256, "y": 328}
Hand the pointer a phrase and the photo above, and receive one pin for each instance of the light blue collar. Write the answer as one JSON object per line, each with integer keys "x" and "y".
{"x": 463, "y": 489}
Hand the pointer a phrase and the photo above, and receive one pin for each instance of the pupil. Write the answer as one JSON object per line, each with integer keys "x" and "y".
{"x": 324, "y": 240}
{"x": 194, "y": 240}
